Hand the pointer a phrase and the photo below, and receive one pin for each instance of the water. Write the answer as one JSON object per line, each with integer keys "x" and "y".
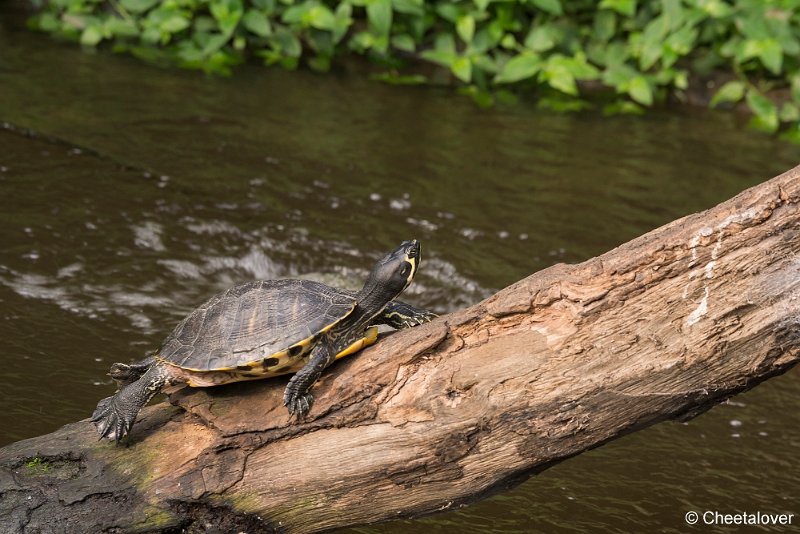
{"x": 143, "y": 191}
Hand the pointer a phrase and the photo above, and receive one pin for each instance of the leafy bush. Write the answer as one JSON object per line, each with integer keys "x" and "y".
{"x": 639, "y": 52}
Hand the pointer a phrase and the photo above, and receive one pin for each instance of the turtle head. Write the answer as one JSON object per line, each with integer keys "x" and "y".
{"x": 394, "y": 272}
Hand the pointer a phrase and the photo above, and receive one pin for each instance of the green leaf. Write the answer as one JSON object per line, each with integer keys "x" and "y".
{"x": 379, "y": 14}
{"x": 287, "y": 43}
{"x": 508, "y": 41}
{"x": 462, "y": 68}
{"x": 444, "y": 42}
{"x": 204, "y": 24}
{"x": 266, "y": 6}
{"x": 605, "y": 24}
{"x": 484, "y": 63}
{"x": 174, "y": 24}
{"x": 732, "y": 91}
{"x": 540, "y": 38}
{"x": 343, "y": 21}
{"x": 519, "y": 68}
{"x": 551, "y": 6}
{"x": 214, "y": 43}
{"x": 683, "y": 41}
{"x": 789, "y": 112}
{"x": 652, "y": 42}
{"x": 794, "y": 80}
{"x": 404, "y": 42}
{"x": 321, "y": 42}
{"x": 381, "y": 44}
{"x": 227, "y": 13}
{"x": 47, "y": 22}
{"x": 321, "y": 17}
{"x": 482, "y": 41}
{"x": 466, "y": 27}
{"x": 91, "y": 35}
{"x": 766, "y": 114}
{"x": 639, "y": 89}
{"x": 120, "y": 27}
{"x": 559, "y": 77}
{"x": 151, "y": 36}
{"x": 615, "y": 54}
{"x": 256, "y": 22}
{"x": 771, "y": 55}
{"x": 295, "y": 14}
{"x": 449, "y": 11}
{"x": 673, "y": 11}
{"x": 623, "y": 7}
{"x": 410, "y": 7}
{"x": 715, "y": 8}
{"x": 619, "y": 76}
{"x": 362, "y": 41}
{"x": 138, "y": 6}
{"x": 440, "y": 57}
{"x": 681, "y": 79}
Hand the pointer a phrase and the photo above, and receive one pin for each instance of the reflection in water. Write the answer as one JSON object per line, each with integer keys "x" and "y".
{"x": 185, "y": 185}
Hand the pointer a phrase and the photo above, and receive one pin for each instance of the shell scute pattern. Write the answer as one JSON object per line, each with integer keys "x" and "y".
{"x": 262, "y": 325}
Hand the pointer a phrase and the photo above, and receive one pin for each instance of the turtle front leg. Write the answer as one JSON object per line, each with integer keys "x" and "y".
{"x": 124, "y": 373}
{"x": 115, "y": 415}
{"x": 401, "y": 315}
{"x": 297, "y": 397}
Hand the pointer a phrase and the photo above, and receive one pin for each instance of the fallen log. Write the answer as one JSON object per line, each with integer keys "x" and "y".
{"x": 440, "y": 415}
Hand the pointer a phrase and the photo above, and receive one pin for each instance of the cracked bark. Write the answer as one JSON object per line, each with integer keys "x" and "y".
{"x": 663, "y": 327}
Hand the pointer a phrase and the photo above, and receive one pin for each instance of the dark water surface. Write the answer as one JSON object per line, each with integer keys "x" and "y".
{"x": 143, "y": 191}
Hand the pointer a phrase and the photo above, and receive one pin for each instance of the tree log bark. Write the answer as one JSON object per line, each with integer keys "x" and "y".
{"x": 444, "y": 414}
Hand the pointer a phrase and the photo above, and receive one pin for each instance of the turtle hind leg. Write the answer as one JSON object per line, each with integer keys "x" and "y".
{"x": 126, "y": 373}
{"x": 114, "y": 416}
{"x": 401, "y": 315}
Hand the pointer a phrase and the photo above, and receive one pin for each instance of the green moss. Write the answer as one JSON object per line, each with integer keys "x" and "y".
{"x": 133, "y": 463}
{"x": 37, "y": 466}
{"x": 154, "y": 519}
{"x": 244, "y": 502}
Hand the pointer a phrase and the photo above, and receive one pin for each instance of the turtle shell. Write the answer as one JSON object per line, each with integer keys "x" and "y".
{"x": 264, "y": 323}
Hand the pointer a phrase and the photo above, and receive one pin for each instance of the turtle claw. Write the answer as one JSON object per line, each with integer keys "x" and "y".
{"x": 421, "y": 317}
{"x": 110, "y": 421}
{"x": 298, "y": 405}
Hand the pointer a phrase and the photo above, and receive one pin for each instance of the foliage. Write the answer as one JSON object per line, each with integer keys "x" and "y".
{"x": 640, "y": 52}
{"x": 38, "y": 465}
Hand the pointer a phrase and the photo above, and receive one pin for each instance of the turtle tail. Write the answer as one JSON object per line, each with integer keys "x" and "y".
{"x": 114, "y": 416}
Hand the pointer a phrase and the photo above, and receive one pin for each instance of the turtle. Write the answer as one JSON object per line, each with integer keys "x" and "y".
{"x": 267, "y": 328}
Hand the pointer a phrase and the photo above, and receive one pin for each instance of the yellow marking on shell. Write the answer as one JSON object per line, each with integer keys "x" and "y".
{"x": 369, "y": 338}
{"x": 337, "y": 321}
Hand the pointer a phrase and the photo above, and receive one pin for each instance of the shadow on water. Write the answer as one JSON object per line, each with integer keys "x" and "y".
{"x": 169, "y": 186}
